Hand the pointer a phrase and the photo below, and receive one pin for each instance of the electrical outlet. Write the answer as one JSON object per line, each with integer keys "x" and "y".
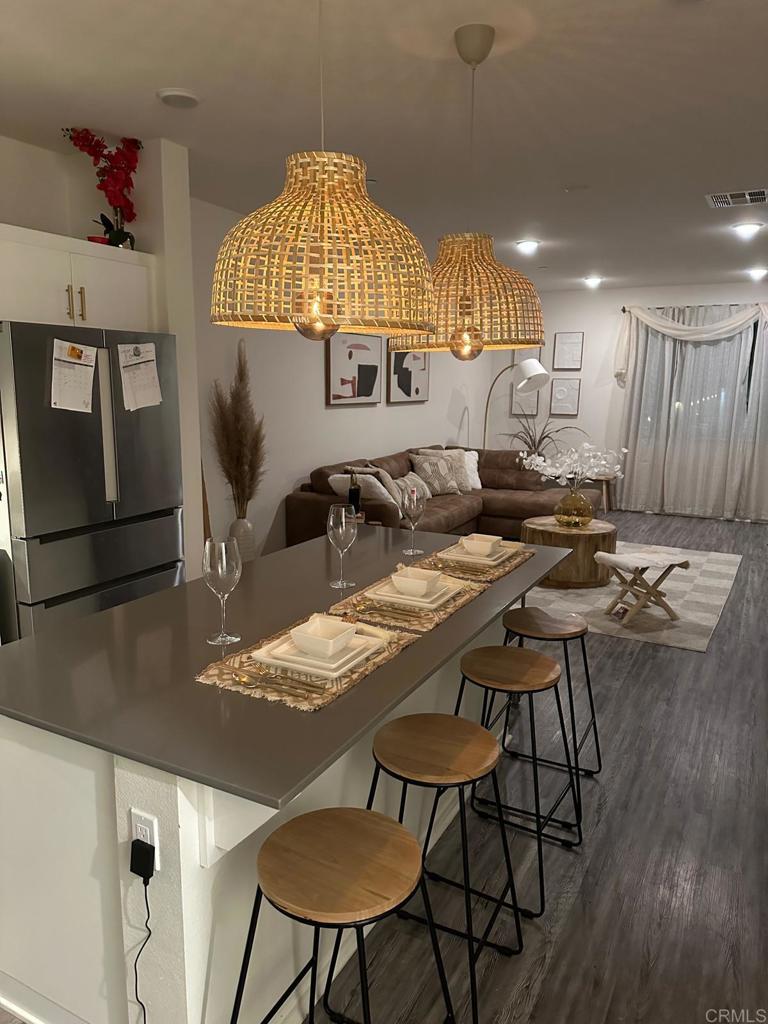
{"x": 144, "y": 826}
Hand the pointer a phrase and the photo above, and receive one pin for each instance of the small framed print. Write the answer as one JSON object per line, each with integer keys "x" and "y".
{"x": 523, "y": 405}
{"x": 408, "y": 378}
{"x": 569, "y": 347}
{"x": 353, "y": 369}
{"x": 564, "y": 397}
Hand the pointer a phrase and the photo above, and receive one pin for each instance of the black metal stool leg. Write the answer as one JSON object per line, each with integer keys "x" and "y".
{"x": 571, "y": 773}
{"x": 460, "y": 696}
{"x": 468, "y": 907}
{"x": 363, "y": 975}
{"x": 403, "y": 795}
{"x": 436, "y": 949}
{"x": 246, "y": 957}
{"x": 313, "y": 977}
{"x": 537, "y": 805}
{"x": 334, "y": 1015}
{"x": 574, "y": 734}
{"x": 431, "y": 825}
{"x": 374, "y": 785}
{"x": 508, "y": 861}
{"x": 592, "y": 713}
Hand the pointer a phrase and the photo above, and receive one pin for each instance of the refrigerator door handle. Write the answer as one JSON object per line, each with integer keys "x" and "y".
{"x": 107, "y": 425}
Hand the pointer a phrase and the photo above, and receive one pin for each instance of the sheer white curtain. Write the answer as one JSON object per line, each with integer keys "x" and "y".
{"x": 696, "y": 416}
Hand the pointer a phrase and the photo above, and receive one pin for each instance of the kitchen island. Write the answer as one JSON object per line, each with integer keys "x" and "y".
{"x": 105, "y": 715}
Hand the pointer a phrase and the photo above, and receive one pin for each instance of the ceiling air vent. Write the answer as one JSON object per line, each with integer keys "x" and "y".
{"x": 749, "y": 197}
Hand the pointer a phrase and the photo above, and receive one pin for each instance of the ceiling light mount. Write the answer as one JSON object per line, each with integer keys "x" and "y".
{"x": 179, "y": 99}
{"x": 757, "y": 273}
{"x": 593, "y": 281}
{"x": 747, "y": 229}
{"x": 474, "y": 43}
{"x": 527, "y": 246}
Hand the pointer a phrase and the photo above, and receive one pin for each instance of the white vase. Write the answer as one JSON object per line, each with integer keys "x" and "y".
{"x": 242, "y": 531}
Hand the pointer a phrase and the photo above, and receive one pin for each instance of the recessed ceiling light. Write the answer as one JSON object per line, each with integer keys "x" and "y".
{"x": 181, "y": 99}
{"x": 757, "y": 273}
{"x": 593, "y": 281}
{"x": 747, "y": 231}
{"x": 527, "y": 246}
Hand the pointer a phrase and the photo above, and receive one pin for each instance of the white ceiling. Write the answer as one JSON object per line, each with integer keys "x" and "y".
{"x": 601, "y": 123}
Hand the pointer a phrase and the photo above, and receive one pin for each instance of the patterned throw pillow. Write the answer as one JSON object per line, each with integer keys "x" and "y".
{"x": 378, "y": 474}
{"x": 411, "y": 481}
{"x": 371, "y": 489}
{"x": 437, "y": 471}
{"x": 462, "y": 468}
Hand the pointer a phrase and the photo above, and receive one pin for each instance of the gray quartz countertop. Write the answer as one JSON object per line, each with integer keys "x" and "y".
{"x": 124, "y": 680}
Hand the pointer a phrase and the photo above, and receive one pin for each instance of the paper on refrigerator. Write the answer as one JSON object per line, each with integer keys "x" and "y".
{"x": 138, "y": 373}
{"x": 72, "y": 376}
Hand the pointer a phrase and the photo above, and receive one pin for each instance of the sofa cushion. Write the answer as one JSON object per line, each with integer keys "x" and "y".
{"x": 503, "y": 469}
{"x": 396, "y": 465}
{"x": 447, "y": 511}
{"x": 523, "y": 504}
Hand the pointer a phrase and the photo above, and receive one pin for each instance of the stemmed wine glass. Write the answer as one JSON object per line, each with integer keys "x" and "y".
{"x": 222, "y": 568}
{"x": 342, "y": 531}
{"x": 413, "y": 509}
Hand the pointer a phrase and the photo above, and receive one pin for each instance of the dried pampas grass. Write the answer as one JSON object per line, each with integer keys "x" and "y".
{"x": 238, "y": 436}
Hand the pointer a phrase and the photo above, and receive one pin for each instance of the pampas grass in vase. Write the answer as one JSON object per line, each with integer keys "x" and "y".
{"x": 238, "y": 437}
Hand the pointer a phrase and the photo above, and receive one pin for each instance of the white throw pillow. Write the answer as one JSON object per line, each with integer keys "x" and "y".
{"x": 437, "y": 471}
{"x": 473, "y": 471}
{"x": 371, "y": 489}
{"x": 463, "y": 469}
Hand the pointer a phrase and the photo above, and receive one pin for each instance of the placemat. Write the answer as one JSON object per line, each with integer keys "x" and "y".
{"x": 478, "y": 573}
{"x": 365, "y": 608}
{"x": 299, "y": 689}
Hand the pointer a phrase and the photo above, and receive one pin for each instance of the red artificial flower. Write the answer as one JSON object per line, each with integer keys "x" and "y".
{"x": 115, "y": 167}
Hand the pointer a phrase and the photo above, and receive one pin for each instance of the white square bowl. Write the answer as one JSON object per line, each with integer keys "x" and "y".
{"x": 415, "y": 582}
{"x": 322, "y": 636}
{"x": 481, "y": 545}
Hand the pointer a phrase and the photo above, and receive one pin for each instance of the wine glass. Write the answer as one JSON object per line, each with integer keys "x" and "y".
{"x": 222, "y": 568}
{"x": 413, "y": 509}
{"x": 342, "y": 531}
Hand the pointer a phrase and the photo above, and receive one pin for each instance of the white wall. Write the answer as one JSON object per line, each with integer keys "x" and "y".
{"x": 288, "y": 387}
{"x": 598, "y": 314}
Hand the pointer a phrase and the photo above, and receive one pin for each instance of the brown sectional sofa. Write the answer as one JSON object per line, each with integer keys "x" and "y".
{"x": 509, "y": 495}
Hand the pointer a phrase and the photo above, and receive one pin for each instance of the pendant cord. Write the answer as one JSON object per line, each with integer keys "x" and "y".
{"x": 472, "y": 197}
{"x": 322, "y": 73}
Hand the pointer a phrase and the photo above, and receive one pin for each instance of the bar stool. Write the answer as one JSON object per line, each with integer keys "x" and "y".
{"x": 442, "y": 752}
{"x": 518, "y": 670}
{"x": 338, "y": 868}
{"x": 533, "y": 623}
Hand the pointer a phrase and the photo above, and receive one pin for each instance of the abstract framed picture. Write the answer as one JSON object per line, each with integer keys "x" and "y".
{"x": 353, "y": 369}
{"x": 407, "y": 377}
{"x": 523, "y": 405}
{"x": 569, "y": 346}
{"x": 564, "y": 398}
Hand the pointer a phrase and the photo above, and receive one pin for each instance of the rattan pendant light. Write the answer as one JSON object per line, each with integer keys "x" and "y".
{"x": 479, "y": 302}
{"x": 323, "y": 257}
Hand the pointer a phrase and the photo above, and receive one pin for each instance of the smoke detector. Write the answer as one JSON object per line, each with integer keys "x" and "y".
{"x": 747, "y": 197}
{"x": 181, "y": 99}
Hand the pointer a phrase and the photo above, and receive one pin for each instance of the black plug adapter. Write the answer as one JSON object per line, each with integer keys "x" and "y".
{"x": 142, "y": 859}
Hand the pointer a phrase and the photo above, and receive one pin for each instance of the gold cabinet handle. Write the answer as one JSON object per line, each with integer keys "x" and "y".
{"x": 70, "y": 302}
{"x": 81, "y": 292}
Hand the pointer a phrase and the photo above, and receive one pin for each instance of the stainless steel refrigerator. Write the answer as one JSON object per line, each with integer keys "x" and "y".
{"x": 90, "y": 502}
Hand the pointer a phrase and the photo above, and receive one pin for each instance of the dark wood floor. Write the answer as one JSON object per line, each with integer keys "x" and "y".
{"x": 663, "y": 913}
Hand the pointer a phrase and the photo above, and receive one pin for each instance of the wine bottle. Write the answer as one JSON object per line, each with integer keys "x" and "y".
{"x": 354, "y": 493}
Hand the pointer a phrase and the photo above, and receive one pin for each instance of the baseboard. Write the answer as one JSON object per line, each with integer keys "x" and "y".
{"x": 31, "y": 1007}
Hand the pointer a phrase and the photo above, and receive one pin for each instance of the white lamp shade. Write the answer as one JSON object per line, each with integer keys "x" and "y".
{"x": 531, "y": 376}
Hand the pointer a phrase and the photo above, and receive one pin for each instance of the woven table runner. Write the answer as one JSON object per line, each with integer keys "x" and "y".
{"x": 364, "y": 607}
{"x": 477, "y": 573}
{"x": 297, "y": 689}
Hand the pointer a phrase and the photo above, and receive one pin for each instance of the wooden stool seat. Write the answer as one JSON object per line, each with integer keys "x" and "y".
{"x": 511, "y": 669}
{"x": 436, "y": 750}
{"x": 340, "y": 865}
{"x": 537, "y": 624}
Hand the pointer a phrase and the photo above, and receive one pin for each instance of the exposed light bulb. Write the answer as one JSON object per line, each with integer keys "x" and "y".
{"x": 527, "y": 246}
{"x": 757, "y": 273}
{"x": 747, "y": 231}
{"x": 593, "y": 281}
{"x": 466, "y": 344}
{"x": 314, "y": 324}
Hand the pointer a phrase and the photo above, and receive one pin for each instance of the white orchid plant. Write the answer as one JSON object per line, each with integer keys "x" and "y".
{"x": 576, "y": 466}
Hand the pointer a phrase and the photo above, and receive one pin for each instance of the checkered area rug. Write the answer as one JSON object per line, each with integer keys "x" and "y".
{"x": 698, "y": 595}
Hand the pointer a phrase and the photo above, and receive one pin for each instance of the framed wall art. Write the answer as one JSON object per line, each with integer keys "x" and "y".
{"x": 564, "y": 397}
{"x": 407, "y": 377}
{"x": 569, "y": 348}
{"x": 353, "y": 369}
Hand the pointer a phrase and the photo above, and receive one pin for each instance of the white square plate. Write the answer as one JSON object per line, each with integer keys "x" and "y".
{"x": 458, "y": 554}
{"x": 386, "y": 592}
{"x": 283, "y": 653}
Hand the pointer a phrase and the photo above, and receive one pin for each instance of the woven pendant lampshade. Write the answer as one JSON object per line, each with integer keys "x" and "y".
{"x": 479, "y": 303}
{"x": 323, "y": 257}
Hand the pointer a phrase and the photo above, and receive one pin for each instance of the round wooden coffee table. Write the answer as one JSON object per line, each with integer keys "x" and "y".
{"x": 580, "y": 568}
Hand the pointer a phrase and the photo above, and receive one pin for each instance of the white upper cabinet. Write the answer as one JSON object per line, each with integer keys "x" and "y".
{"x": 111, "y": 294}
{"x": 50, "y": 279}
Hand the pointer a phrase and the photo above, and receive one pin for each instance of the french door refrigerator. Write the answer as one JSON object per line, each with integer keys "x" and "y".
{"x": 90, "y": 502}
